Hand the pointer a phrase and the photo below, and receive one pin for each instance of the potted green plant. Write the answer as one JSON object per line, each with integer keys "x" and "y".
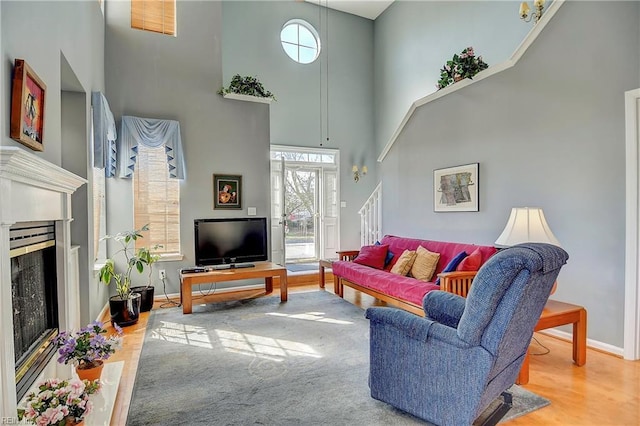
{"x": 249, "y": 86}
{"x": 125, "y": 306}
{"x": 461, "y": 66}
{"x": 147, "y": 291}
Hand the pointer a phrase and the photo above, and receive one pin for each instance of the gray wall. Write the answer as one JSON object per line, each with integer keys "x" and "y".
{"x": 548, "y": 133}
{"x": 58, "y": 40}
{"x": 251, "y": 46}
{"x": 414, "y": 39}
{"x": 158, "y": 76}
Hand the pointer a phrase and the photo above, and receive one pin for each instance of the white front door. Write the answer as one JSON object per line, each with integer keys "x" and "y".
{"x": 278, "y": 219}
{"x": 305, "y": 194}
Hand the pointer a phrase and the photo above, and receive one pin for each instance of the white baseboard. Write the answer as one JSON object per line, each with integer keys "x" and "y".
{"x": 104, "y": 312}
{"x": 594, "y": 344}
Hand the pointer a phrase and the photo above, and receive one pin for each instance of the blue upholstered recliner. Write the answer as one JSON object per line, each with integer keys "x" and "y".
{"x": 448, "y": 367}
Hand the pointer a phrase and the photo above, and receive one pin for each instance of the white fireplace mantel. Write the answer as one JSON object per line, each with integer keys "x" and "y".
{"x": 33, "y": 189}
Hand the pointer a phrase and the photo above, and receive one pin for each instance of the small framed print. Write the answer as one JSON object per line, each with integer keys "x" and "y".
{"x": 455, "y": 189}
{"x": 227, "y": 191}
{"x": 27, "y": 106}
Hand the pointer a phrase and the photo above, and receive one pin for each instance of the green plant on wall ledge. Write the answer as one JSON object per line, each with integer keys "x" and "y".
{"x": 250, "y": 86}
{"x": 464, "y": 65}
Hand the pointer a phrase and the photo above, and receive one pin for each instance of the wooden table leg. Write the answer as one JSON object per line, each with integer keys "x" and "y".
{"x": 268, "y": 284}
{"x": 321, "y": 274}
{"x": 523, "y": 376}
{"x": 283, "y": 287}
{"x": 580, "y": 339}
{"x": 186, "y": 298}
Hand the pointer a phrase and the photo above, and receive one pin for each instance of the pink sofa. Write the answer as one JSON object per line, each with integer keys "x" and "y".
{"x": 401, "y": 291}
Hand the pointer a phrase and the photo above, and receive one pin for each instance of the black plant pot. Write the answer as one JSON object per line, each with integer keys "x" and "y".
{"x": 125, "y": 312}
{"x": 146, "y": 297}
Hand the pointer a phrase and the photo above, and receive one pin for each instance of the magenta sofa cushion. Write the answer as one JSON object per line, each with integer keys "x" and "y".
{"x": 373, "y": 256}
{"x": 405, "y": 288}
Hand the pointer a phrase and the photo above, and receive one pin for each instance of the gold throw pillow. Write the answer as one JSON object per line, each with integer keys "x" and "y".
{"x": 404, "y": 263}
{"x": 425, "y": 264}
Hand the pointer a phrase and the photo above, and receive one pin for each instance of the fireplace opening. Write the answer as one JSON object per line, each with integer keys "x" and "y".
{"x": 35, "y": 301}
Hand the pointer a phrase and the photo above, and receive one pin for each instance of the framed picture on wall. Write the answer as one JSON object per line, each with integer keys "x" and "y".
{"x": 455, "y": 189}
{"x": 227, "y": 191}
{"x": 27, "y": 106}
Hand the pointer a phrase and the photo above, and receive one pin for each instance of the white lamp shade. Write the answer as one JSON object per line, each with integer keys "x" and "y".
{"x": 526, "y": 225}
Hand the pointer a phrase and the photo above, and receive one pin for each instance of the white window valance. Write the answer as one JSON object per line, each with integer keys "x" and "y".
{"x": 152, "y": 133}
{"x": 104, "y": 135}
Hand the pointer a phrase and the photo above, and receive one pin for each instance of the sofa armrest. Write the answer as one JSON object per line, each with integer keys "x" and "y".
{"x": 457, "y": 282}
{"x": 347, "y": 255}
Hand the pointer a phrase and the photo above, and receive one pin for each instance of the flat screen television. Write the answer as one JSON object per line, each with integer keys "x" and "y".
{"x": 230, "y": 241}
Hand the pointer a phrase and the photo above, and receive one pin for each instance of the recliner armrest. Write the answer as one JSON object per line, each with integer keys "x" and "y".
{"x": 443, "y": 307}
{"x": 413, "y": 326}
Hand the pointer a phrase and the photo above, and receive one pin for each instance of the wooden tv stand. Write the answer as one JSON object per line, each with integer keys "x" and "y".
{"x": 266, "y": 270}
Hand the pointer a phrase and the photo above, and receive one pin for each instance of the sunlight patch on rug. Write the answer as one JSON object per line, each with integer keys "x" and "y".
{"x": 311, "y": 316}
{"x": 181, "y": 333}
{"x": 264, "y": 347}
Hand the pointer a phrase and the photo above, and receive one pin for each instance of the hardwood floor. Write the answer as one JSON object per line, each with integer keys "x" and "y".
{"x": 606, "y": 391}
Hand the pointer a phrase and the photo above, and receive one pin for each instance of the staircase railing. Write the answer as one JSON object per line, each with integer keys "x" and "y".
{"x": 371, "y": 218}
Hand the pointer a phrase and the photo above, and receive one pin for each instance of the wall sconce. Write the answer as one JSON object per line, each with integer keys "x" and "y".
{"x": 524, "y": 11}
{"x": 357, "y": 173}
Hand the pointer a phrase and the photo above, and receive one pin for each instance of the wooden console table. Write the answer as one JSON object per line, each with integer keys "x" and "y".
{"x": 555, "y": 314}
{"x": 322, "y": 264}
{"x": 266, "y": 270}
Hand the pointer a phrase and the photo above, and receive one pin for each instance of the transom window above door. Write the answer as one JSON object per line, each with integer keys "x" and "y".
{"x": 300, "y": 41}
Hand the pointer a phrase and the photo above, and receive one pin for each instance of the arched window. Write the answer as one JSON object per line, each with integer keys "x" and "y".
{"x": 300, "y": 41}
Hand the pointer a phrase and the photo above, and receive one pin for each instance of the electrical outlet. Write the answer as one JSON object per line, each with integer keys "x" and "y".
{"x": 162, "y": 273}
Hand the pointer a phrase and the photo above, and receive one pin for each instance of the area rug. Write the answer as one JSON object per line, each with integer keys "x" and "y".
{"x": 263, "y": 362}
{"x": 300, "y": 267}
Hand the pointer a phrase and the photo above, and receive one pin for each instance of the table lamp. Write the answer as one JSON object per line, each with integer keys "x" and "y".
{"x": 526, "y": 225}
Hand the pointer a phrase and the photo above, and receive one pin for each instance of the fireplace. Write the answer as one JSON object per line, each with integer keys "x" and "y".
{"x": 34, "y": 298}
{"x": 35, "y": 194}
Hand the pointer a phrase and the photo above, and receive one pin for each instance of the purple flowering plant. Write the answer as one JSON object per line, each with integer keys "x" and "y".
{"x": 461, "y": 66}
{"x": 57, "y": 402}
{"x": 87, "y": 345}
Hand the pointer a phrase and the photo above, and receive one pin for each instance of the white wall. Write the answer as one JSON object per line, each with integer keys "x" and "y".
{"x": 547, "y": 133}
{"x": 158, "y": 76}
{"x": 414, "y": 39}
{"x": 251, "y": 46}
{"x": 58, "y": 39}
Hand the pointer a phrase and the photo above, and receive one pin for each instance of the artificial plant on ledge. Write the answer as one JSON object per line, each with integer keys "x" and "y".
{"x": 249, "y": 86}
{"x": 461, "y": 66}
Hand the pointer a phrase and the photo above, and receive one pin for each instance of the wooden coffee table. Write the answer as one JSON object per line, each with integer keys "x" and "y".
{"x": 266, "y": 270}
{"x": 556, "y": 314}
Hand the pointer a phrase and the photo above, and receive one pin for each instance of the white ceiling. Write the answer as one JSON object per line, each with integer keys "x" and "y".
{"x": 366, "y": 8}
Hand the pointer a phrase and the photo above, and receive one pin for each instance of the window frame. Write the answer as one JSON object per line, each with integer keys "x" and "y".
{"x": 145, "y": 241}
{"x": 143, "y": 19}
{"x": 314, "y": 33}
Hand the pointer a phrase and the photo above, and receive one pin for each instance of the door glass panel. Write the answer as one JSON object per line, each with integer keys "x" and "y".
{"x": 301, "y": 189}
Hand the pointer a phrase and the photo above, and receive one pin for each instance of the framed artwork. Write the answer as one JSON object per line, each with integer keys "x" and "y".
{"x": 455, "y": 189}
{"x": 27, "y": 106}
{"x": 227, "y": 191}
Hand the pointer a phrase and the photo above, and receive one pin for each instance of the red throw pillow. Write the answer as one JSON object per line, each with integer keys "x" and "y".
{"x": 372, "y": 256}
{"x": 471, "y": 262}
